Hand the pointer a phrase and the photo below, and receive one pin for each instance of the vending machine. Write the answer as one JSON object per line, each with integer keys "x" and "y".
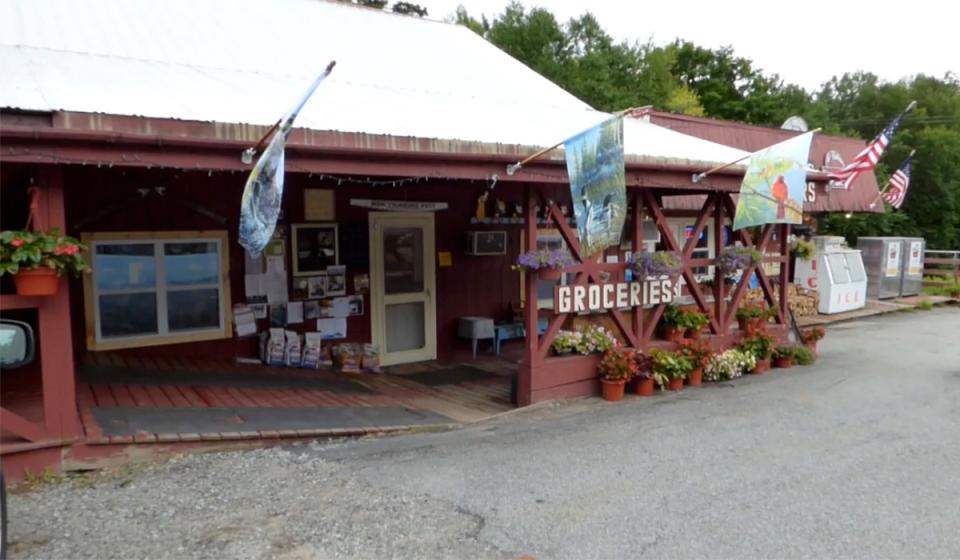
{"x": 911, "y": 277}
{"x": 883, "y": 257}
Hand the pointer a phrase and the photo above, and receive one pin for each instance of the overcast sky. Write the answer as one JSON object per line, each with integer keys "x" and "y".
{"x": 805, "y": 42}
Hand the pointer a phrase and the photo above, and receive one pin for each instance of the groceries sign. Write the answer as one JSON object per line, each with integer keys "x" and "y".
{"x": 619, "y": 295}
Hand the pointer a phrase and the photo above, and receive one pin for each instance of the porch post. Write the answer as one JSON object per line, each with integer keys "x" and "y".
{"x": 528, "y": 367}
{"x": 637, "y": 242}
{"x": 55, "y": 338}
{"x": 719, "y": 303}
{"x": 784, "y": 271}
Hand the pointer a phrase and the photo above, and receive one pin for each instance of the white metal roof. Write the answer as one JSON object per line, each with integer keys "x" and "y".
{"x": 246, "y": 61}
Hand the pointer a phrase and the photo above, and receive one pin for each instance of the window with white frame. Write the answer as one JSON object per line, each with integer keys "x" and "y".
{"x": 701, "y": 250}
{"x": 157, "y": 290}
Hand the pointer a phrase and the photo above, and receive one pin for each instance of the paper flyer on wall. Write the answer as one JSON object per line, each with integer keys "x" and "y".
{"x": 294, "y": 312}
{"x": 275, "y": 286}
{"x": 332, "y": 328}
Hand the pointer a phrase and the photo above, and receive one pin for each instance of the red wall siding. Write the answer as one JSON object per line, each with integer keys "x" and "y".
{"x": 102, "y": 199}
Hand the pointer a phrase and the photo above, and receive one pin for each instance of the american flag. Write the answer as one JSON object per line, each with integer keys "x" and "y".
{"x": 868, "y": 158}
{"x": 897, "y": 187}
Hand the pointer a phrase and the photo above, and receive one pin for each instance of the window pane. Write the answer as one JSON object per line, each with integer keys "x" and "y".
{"x": 125, "y": 266}
{"x": 405, "y": 326}
{"x": 838, "y": 268}
{"x": 128, "y": 314}
{"x": 403, "y": 260}
{"x": 855, "y": 266}
{"x": 189, "y": 310}
{"x": 191, "y": 263}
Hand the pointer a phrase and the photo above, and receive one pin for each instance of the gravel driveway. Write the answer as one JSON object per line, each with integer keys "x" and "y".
{"x": 855, "y": 457}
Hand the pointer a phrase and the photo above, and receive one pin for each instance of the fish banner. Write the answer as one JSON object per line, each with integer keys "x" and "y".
{"x": 773, "y": 188}
{"x": 263, "y": 193}
{"x": 598, "y": 185}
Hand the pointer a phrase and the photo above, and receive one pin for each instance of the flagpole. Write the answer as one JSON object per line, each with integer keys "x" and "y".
{"x": 887, "y": 186}
{"x": 700, "y": 176}
{"x": 514, "y": 167}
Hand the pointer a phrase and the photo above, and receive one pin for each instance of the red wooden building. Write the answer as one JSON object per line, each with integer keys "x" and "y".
{"x": 134, "y": 144}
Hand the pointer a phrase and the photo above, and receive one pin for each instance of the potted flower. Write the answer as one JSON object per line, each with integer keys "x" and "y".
{"x": 761, "y": 346}
{"x": 599, "y": 340}
{"x": 810, "y": 336}
{"x": 617, "y": 366}
{"x": 698, "y": 352}
{"x": 670, "y": 368}
{"x": 643, "y": 381}
{"x": 674, "y": 323}
{"x": 695, "y": 322}
{"x": 37, "y": 259}
{"x": 549, "y": 264}
{"x": 783, "y": 356}
{"x": 657, "y": 264}
{"x": 734, "y": 259}
{"x": 728, "y": 365}
{"x": 751, "y": 317}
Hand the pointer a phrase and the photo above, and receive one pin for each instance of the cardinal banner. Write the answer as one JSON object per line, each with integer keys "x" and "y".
{"x": 597, "y": 185}
{"x": 773, "y": 187}
{"x": 263, "y": 193}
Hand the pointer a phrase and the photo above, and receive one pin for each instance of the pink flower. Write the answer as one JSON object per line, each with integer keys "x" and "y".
{"x": 17, "y": 243}
{"x": 66, "y": 250}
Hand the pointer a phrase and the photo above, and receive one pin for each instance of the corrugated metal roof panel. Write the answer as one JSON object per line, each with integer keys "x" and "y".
{"x": 246, "y": 61}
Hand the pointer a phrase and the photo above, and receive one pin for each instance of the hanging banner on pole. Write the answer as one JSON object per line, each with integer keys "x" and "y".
{"x": 774, "y": 184}
{"x": 598, "y": 185}
{"x": 263, "y": 193}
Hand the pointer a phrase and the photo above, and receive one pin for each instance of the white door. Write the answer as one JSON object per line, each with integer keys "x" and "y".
{"x": 402, "y": 287}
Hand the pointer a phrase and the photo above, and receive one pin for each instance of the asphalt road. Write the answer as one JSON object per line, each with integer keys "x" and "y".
{"x": 857, "y": 456}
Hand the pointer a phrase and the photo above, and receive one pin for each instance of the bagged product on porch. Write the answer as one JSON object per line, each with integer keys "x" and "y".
{"x": 348, "y": 357}
{"x": 292, "y": 349}
{"x": 275, "y": 348}
{"x": 371, "y": 358}
{"x": 312, "y": 349}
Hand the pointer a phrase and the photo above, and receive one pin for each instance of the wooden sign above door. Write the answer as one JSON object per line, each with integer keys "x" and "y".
{"x": 398, "y": 205}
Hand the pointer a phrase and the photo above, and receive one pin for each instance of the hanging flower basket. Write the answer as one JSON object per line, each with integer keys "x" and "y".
{"x": 657, "y": 264}
{"x": 36, "y": 259}
{"x": 735, "y": 259}
{"x": 548, "y": 264}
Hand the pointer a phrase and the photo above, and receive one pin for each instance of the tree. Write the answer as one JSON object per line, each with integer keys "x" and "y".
{"x": 409, "y": 9}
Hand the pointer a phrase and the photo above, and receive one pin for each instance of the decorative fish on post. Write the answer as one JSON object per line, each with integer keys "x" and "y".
{"x": 263, "y": 193}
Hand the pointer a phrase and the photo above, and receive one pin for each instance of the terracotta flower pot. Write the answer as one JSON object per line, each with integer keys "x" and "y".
{"x": 37, "y": 282}
{"x": 613, "y": 389}
{"x": 550, "y": 273}
{"x": 676, "y": 384}
{"x": 673, "y": 334}
{"x": 696, "y": 377}
{"x": 762, "y": 366}
{"x": 743, "y": 324}
{"x": 645, "y": 386}
{"x": 783, "y": 362}
{"x": 693, "y": 334}
{"x": 811, "y": 345}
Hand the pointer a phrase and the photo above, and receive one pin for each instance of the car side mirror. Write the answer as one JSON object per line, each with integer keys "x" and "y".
{"x": 17, "y": 344}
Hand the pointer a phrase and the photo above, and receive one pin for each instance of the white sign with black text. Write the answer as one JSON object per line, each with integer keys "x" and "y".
{"x": 619, "y": 295}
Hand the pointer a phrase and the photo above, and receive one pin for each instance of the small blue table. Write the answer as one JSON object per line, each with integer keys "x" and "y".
{"x": 507, "y": 331}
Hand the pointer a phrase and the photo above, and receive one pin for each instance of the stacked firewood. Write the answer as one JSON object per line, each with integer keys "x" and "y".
{"x": 802, "y": 301}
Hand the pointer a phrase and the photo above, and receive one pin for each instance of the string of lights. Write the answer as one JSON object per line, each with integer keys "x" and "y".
{"x": 491, "y": 181}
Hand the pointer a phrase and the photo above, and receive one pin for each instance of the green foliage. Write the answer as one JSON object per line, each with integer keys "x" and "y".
{"x": 803, "y": 356}
{"x": 785, "y": 351}
{"x": 804, "y": 250}
{"x": 669, "y": 365}
{"x": 925, "y": 305}
{"x": 760, "y": 345}
{"x": 674, "y": 317}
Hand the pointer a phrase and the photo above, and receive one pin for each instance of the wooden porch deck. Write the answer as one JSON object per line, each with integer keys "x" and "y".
{"x": 164, "y": 383}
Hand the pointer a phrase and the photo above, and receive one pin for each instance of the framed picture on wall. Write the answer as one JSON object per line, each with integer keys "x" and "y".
{"x": 314, "y": 248}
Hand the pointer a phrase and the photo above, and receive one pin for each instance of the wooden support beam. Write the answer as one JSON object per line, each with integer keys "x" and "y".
{"x": 20, "y": 426}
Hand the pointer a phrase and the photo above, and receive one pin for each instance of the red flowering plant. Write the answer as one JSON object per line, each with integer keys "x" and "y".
{"x": 26, "y": 250}
{"x": 697, "y": 351}
{"x": 812, "y": 334}
{"x": 618, "y": 364}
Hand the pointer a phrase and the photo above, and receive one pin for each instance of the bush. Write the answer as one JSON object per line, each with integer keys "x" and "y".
{"x": 803, "y": 356}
